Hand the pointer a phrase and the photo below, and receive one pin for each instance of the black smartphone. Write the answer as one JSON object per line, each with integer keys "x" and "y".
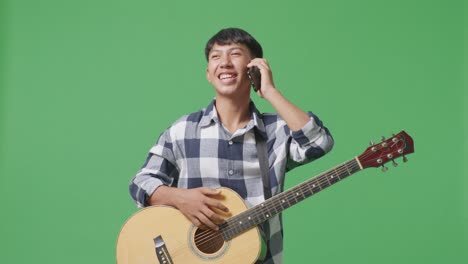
{"x": 255, "y": 77}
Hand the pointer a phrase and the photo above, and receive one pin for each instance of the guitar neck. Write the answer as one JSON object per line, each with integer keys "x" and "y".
{"x": 278, "y": 203}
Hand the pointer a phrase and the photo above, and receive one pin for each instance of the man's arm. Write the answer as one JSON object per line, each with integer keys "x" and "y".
{"x": 294, "y": 117}
{"x": 151, "y": 186}
{"x": 311, "y": 139}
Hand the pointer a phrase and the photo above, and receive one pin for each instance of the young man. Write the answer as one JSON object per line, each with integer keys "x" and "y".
{"x": 216, "y": 146}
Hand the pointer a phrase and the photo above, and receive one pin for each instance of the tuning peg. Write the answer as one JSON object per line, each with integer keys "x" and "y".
{"x": 394, "y": 163}
{"x": 393, "y": 134}
{"x": 384, "y": 169}
{"x": 383, "y": 138}
{"x": 405, "y": 159}
{"x": 372, "y": 143}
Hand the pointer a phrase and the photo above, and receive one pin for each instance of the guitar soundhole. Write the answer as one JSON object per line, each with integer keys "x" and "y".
{"x": 208, "y": 241}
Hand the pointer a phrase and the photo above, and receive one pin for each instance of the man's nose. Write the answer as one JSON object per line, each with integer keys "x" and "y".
{"x": 225, "y": 61}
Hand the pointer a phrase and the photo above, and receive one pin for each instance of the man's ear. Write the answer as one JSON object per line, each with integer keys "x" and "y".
{"x": 208, "y": 76}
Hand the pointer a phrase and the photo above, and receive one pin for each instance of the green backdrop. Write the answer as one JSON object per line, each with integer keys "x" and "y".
{"x": 87, "y": 86}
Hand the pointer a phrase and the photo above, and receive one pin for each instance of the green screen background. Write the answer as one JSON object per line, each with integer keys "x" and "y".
{"x": 87, "y": 87}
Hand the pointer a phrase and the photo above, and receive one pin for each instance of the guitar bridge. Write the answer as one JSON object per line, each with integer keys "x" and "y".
{"x": 161, "y": 251}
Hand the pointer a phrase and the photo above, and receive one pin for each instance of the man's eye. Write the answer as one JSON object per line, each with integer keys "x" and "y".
{"x": 215, "y": 57}
{"x": 236, "y": 54}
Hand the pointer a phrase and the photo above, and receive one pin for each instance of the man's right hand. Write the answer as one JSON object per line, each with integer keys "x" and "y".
{"x": 200, "y": 205}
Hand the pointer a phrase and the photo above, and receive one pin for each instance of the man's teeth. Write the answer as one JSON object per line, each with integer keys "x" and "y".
{"x": 226, "y": 76}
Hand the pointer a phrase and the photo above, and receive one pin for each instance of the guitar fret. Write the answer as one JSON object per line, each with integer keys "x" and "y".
{"x": 284, "y": 202}
{"x": 308, "y": 192}
{"x": 316, "y": 187}
{"x": 347, "y": 169}
{"x": 275, "y": 207}
{"x": 324, "y": 184}
{"x": 337, "y": 174}
{"x": 275, "y": 211}
{"x": 334, "y": 178}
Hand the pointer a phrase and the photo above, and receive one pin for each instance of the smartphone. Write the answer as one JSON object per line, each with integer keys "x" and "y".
{"x": 255, "y": 77}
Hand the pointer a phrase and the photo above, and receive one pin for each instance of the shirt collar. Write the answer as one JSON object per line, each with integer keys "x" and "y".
{"x": 256, "y": 118}
{"x": 209, "y": 114}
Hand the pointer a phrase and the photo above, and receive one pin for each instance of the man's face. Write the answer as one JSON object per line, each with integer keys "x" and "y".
{"x": 227, "y": 69}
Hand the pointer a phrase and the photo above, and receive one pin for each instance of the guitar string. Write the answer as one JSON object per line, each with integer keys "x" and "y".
{"x": 320, "y": 179}
{"x": 211, "y": 244}
{"x": 261, "y": 212}
{"x": 340, "y": 168}
{"x": 207, "y": 236}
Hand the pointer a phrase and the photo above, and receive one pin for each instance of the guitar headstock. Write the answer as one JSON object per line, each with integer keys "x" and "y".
{"x": 388, "y": 150}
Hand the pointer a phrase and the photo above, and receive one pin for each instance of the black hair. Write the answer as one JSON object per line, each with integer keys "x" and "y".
{"x": 234, "y": 35}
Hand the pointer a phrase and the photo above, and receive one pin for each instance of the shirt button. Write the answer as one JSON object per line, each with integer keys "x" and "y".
{"x": 230, "y": 142}
{"x": 231, "y": 172}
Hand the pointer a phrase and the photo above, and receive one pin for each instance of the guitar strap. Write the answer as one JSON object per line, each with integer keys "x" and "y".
{"x": 262, "y": 154}
{"x": 264, "y": 168}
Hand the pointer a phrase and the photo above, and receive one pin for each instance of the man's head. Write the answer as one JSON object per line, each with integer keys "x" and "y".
{"x": 228, "y": 53}
{"x": 234, "y": 36}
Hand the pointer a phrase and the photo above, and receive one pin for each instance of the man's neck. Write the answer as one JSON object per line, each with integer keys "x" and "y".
{"x": 233, "y": 113}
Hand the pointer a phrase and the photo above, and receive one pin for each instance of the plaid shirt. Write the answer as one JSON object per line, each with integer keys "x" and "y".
{"x": 198, "y": 151}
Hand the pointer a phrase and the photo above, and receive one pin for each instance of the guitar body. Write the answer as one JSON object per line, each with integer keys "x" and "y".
{"x": 181, "y": 241}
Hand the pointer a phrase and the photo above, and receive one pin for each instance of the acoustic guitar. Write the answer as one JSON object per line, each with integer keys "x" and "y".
{"x": 162, "y": 234}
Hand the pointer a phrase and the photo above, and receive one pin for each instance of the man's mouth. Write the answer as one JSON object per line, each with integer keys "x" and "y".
{"x": 227, "y": 76}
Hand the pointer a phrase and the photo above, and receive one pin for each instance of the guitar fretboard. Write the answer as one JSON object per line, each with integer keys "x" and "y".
{"x": 278, "y": 203}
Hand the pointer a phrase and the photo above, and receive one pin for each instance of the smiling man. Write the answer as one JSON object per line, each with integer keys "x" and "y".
{"x": 216, "y": 146}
